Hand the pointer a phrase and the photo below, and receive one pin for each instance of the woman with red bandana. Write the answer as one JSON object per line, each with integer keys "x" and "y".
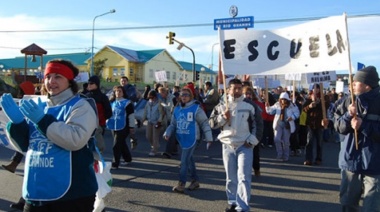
{"x": 59, "y": 174}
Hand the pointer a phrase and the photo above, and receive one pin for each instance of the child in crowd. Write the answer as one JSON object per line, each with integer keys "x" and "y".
{"x": 121, "y": 123}
{"x": 154, "y": 114}
{"x": 187, "y": 120}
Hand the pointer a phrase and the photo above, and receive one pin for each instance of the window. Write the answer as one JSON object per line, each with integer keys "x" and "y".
{"x": 174, "y": 75}
{"x": 168, "y": 75}
{"x": 151, "y": 73}
{"x": 122, "y": 71}
{"x": 131, "y": 72}
{"x": 114, "y": 72}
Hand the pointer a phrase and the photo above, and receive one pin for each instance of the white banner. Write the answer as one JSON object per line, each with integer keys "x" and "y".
{"x": 293, "y": 76}
{"x": 260, "y": 82}
{"x": 161, "y": 76}
{"x": 339, "y": 86}
{"x": 82, "y": 77}
{"x": 310, "y": 47}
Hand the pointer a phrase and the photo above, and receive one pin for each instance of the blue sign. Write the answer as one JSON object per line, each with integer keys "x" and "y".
{"x": 234, "y": 23}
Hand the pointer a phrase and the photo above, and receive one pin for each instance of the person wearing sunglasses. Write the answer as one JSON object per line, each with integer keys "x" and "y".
{"x": 187, "y": 120}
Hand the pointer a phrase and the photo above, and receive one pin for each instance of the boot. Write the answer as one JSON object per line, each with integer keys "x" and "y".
{"x": 19, "y": 205}
{"x": 180, "y": 188}
{"x": 11, "y": 167}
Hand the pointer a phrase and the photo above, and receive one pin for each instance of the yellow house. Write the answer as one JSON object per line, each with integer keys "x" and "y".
{"x": 138, "y": 66}
{"x": 141, "y": 66}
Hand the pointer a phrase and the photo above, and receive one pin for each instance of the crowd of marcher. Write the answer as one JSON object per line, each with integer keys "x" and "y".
{"x": 243, "y": 118}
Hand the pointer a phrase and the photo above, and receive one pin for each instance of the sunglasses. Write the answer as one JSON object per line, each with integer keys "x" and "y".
{"x": 185, "y": 94}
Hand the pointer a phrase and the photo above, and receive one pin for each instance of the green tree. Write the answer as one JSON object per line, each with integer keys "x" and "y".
{"x": 98, "y": 66}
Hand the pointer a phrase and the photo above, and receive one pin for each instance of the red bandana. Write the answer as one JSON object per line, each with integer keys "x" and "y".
{"x": 59, "y": 68}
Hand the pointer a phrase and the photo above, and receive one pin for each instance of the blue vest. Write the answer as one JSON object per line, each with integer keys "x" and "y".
{"x": 47, "y": 166}
{"x": 118, "y": 120}
{"x": 186, "y": 131}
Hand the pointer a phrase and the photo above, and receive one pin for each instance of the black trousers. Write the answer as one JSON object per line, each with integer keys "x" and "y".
{"x": 84, "y": 204}
{"x": 120, "y": 147}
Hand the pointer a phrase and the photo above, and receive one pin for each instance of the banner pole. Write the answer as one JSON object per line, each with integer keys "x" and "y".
{"x": 350, "y": 79}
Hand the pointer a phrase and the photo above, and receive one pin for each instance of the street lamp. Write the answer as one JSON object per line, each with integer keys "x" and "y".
{"x": 92, "y": 46}
{"x": 192, "y": 52}
{"x": 212, "y": 56}
{"x": 180, "y": 46}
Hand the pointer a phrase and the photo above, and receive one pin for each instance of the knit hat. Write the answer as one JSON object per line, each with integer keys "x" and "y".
{"x": 368, "y": 76}
{"x": 94, "y": 79}
{"x": 190, "y": 86}
{"x": 284, "y": 95}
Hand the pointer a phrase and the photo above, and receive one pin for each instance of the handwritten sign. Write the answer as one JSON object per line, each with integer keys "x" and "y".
{"x": 160, "y": 76}
{"x": 318, "y": 77}
{"x": 310, "y": 47}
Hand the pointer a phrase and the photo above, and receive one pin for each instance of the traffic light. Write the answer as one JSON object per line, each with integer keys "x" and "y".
{"x": 171, "y": 37}
{"x": 196, "y": 75}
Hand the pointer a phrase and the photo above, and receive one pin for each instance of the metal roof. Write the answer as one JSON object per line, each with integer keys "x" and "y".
{"x": 78, "y": 59}
{"x": 136, "y": 56}
{"x": 189, "y": 67}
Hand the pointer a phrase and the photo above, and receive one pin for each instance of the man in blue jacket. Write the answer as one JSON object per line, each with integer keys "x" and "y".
{"x": 359, "y": 158}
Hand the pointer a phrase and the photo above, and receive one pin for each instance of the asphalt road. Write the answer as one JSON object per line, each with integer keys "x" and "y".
{"x": 146, "y": 183}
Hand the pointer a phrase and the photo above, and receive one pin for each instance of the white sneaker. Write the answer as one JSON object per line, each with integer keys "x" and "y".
{"x": 152, "y": 154}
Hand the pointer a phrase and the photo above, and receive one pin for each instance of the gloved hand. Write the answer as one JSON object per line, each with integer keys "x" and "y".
{"x": 11, "y": 110}
{"x": 32, "y": 111}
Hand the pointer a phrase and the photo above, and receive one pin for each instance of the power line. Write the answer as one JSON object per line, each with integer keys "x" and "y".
{"x": 180, "y": 25}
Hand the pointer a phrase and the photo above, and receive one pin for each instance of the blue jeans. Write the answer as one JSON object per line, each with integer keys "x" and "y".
{"x": 351, "y": 190}
{"x": 188, "y": 165}
{"x": 238, "y": 164}
{"x": 314, "y": 136}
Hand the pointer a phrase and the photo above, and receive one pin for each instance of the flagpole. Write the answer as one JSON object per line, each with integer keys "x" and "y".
{"x": 224, "y": 80}
{"x": 294, "y": 91}
{"x": 350, "y": 79}
{"x": 321, "y": 91}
